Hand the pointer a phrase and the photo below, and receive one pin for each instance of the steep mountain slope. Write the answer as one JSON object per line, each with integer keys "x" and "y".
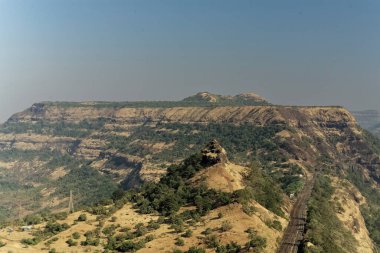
{"x": 52, "y": 148}
{"x": 349, "y": 200}
{"x": 208, "y": 217}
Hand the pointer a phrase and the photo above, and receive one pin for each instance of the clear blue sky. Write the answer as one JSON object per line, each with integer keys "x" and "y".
{"x": 291, "y": 52}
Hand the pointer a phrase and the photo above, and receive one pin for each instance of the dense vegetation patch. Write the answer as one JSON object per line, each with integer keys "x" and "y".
{"x": 162, "y": 104}
{"x": 11, "y": 189}
{"x": 9, "y": 155}
{"x": 261, "y": 188}
{"x": 173, "y": 191}
{"x": 89, "y": 185}
{"x": 324, "y": 230}
{"x": 188, "y": 138}
{"x": 60, "y": 128}
{"x": 290, "y": 177}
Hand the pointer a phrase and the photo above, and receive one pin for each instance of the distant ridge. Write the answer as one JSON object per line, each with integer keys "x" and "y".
{"x": 369, "y": 119}
{"x": 244, "y": 98}
{"x": 201, "y": 99}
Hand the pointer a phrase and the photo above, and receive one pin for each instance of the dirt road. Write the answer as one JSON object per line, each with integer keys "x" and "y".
{"x": 295, "y": 231}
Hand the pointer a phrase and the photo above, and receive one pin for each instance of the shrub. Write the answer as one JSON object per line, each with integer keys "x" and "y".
{"x": 226, "y": 225}
{"x": 277, "y": 225}
{"x": 251, "y": 230}
{"x": 179, "y": 242}
{"x": 99, "y": 210}
{"x": 106, "y": 202}
{"x": 231, "y": 247}
{"x": 2, "y": 244}
{"x": 153, "y": 225}
{"x": 149, "y": 238}
{"x": 60, "y": 216}
{"x": 211, "y": 241}
{"x": 82, "y": 217}
{"x": 53, "y": 250}
{"x": 139, "y": 225}
{"x": 124, "y": 229}
{"x": 90, "y": 242}
{"x": 33, "y": 219}
{"x": 196, "y": 250}
{"x": 91, "y": 238}
{"x": 248, "y": 209}
{"x": 71, "y": 242}
{"x": 161, "y": 220}
{"x": 177, "y": 228}
{"x": 140, "y": 231}
{"x": 53, "y": 228}
{"x": 110, "y": 230}
{"x": 49, "y": 242}
{"x": 100, "y": 223}
{"x": 76, "y": 235}
{"x": 220, "y": 215}
{"x": 129, "y": 246}
{"x": 258, "y": 243}
{"x": 188, "y": 233}
{"x": 30, "y": 241}
{"x": 207, "y": 231}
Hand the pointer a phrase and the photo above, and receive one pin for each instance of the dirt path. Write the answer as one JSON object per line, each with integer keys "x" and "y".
{"x": 295, "y": 231}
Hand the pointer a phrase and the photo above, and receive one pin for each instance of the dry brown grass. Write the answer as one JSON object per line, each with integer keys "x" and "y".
{"x": 350, "y": 199}
{"x": 225, "y": 177}
{"x": 164, "y": 236}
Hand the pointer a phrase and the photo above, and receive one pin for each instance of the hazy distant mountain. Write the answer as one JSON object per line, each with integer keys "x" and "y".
{"x": 242, "y": 99}
{"x": 369, "y": 119}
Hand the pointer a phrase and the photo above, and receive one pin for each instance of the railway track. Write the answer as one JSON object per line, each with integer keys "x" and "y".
{"x": 294, "y": 233}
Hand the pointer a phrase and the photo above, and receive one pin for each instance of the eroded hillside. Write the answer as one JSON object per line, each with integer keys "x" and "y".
{"x": 178, "y": 213}
{"x": 91, "y": 148}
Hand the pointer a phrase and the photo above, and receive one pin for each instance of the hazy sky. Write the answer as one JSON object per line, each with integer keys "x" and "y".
{"x": 291, "y": 52}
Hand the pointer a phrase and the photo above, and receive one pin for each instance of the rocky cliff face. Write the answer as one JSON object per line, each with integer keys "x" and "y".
{"x": 213, "y": 153}
{"x": 260, "y": 115}
{"x": 86, "y": 131}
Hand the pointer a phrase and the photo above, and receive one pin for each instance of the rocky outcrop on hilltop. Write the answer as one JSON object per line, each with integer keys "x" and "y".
{"x": 219, "y": 173}
{"x": 250, "y": 96}
{"x": 213, "y": 153}
{"x": 243, "y": 98}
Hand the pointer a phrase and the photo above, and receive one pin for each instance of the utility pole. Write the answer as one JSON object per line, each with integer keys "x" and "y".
{"x": 71, "y": 202}
{"x": 19, "y": 210}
